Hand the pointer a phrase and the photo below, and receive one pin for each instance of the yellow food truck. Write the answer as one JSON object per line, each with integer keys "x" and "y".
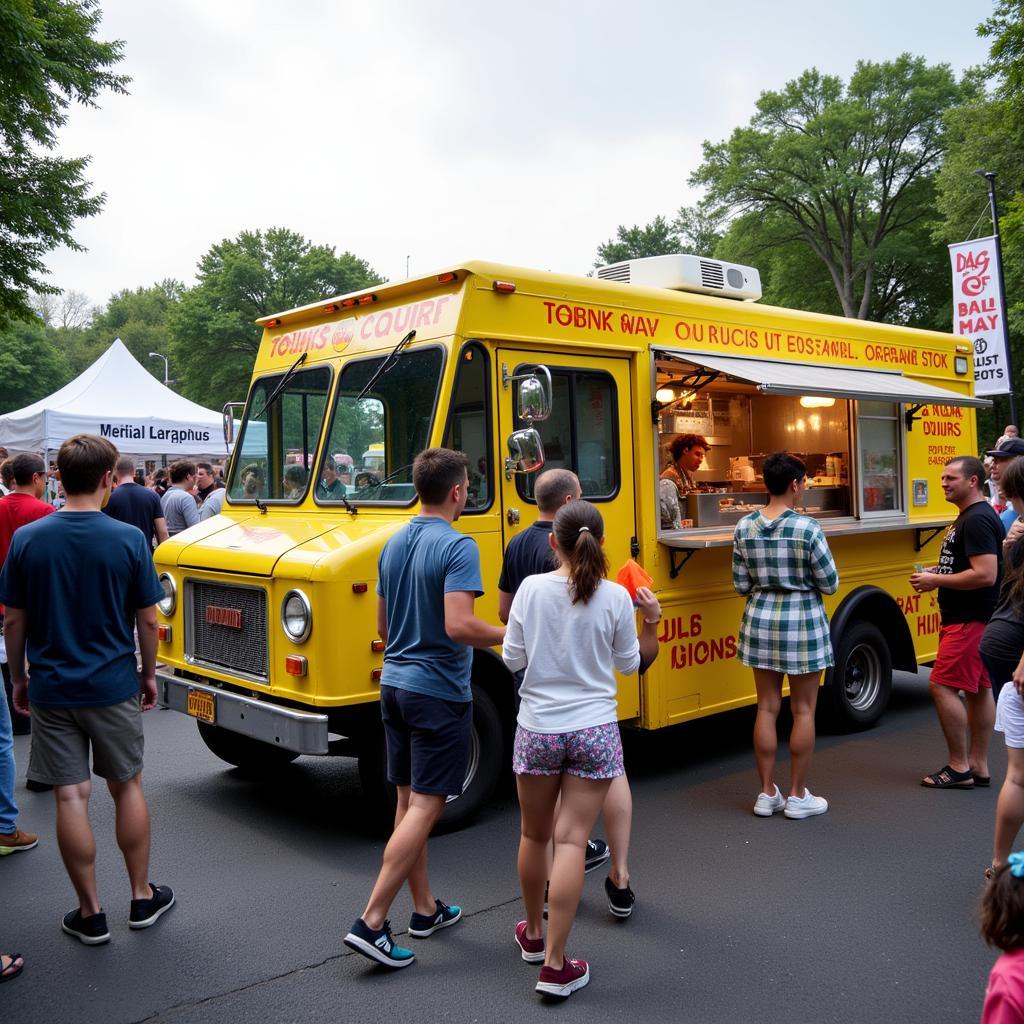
{"x": 268, "y": 623}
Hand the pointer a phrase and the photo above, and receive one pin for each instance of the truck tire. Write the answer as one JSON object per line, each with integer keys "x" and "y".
{"x": 857, "y": 688}
{"x": 243, "y": 751}
{"x": 487, "y": 746}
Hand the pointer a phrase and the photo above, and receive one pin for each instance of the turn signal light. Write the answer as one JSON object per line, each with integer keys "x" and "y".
{"x": 504, "y": 287}
{"x": 163, "y": 633}
{"x": 376, "y": 674}
{"x": 360, "y": 588}
{"x": 295, "y": 665}
{"x": 377, "y": 646}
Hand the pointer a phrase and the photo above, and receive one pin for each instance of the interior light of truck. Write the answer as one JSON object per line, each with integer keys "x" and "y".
{"x": 665, "y": 395}
{"x": 446, "y": 278}
{"x": 377, "y": 646}
{"x": 960, "y": 364}
{"x": 360, "y": 588}
{"x": 169, "y": 601}
{"x": 163, "y": 632}
{"x": 504, "y": 287}
{"x": 816, "y": 402}
{"x": 295, "y": 665}
{"x": 296, "y": 616}
{"x": 376, "y": 674}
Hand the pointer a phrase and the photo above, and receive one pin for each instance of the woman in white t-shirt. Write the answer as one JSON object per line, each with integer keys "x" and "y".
{"x": 570, "y": 629}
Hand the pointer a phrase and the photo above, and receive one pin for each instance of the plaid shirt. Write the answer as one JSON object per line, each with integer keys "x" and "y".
{"x": 784, "y": 566}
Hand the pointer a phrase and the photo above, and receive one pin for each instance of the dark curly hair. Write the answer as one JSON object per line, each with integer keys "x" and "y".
{"x": 1002, "y": 910}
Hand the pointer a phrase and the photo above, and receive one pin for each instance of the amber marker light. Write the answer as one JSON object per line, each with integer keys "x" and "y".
{"x": 163, "y": 632}
{"x": 274, "y": 322}
{"x": 331, "y": 307}
{"x": 365, "y": 300}
{"x": 377, "y": 646}
{"x": 446, "y": 278}
{"x": 295, "y": 665}
{"x": 348, "y": 303}
{"x": 376, "y": 674}
{"x": 504, "y": 287}
{"x": 360, "y": 588}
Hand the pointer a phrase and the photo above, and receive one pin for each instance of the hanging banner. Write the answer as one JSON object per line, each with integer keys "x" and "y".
{"x": 977, "y": 312}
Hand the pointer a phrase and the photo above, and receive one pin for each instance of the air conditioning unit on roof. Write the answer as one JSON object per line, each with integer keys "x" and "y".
{"x": 685, "y": 273}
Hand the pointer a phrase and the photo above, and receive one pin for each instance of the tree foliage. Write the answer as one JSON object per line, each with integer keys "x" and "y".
{"x": 843, "y": 170}
{"x": 655, "y": 239}
{"x": 31, "y": 366}
{"x": 213, "y": 337}
{"x": 49, "y": 59}
{"x": 139, "y": 318}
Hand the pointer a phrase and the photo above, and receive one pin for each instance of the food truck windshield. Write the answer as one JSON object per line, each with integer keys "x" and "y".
{"x": 843, "y": 443}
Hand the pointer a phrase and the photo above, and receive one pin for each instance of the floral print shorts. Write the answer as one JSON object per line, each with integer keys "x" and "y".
{"x": 594, "y": 753}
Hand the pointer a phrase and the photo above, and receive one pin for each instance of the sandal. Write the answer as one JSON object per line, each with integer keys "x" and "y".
{"x": 981, "y": 780}
{"x": 947, "y": 778}
{"x": 12, "y": 969}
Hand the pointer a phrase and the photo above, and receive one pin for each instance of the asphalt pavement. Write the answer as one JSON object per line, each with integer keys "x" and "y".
{"x": 866, "y": 914}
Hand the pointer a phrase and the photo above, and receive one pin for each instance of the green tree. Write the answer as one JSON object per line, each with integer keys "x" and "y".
{"x": 844, "y": 170}
{"x": 699, "y": 228}
{"x": 214, "y": 340}
{"x": 31, "y": 367}
{"x": 139, "y": 318}
{"x": 655, "y": 239}
{"x": 49, "y": 58}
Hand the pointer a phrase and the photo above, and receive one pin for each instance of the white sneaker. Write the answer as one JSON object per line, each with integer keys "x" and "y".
{"x": 765, "y": 806}
{"x": 805, "y": 806}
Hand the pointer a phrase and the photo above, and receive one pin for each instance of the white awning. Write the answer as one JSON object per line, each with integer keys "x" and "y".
{"x": 778, "y": 377}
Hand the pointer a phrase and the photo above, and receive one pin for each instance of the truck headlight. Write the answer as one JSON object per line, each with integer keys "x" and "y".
{"x": 169, "y": 601}
{"x": 296, "y": 616}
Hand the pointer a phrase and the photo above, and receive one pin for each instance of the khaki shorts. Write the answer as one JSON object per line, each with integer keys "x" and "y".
{"x": 61, "y": 738}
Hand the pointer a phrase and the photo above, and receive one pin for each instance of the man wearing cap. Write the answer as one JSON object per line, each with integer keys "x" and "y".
{"x": 1001, "y": 456}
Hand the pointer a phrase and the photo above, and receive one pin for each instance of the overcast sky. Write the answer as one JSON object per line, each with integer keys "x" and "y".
{"x": 440, "y": 131}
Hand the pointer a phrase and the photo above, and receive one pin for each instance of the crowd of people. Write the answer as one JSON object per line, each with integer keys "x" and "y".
{"x": 566, "y": 630}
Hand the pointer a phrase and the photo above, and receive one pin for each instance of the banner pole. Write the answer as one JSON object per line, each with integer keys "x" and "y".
{"x": 990, "y": 177}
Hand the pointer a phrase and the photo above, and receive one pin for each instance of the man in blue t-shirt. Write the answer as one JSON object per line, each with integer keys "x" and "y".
{"x": 76, "y": 584}
{"x": 429, "y": 578}
{"x": 132, "y": 503}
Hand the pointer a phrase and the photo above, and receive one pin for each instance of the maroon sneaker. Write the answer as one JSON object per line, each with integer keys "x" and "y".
{"x": 533, "y": 949}
{"x": 573, "y": 975}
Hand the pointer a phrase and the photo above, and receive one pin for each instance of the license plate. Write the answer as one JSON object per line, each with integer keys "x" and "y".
{"x": 202, "y": 705}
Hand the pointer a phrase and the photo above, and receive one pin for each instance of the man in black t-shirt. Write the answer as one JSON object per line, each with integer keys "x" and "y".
{"x": 967, "y": 579}
{"x": 137, "y": 505}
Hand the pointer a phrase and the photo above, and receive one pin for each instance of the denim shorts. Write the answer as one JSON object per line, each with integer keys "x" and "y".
{"x": 427, "y": 739}
{"x": 594, "y": 753}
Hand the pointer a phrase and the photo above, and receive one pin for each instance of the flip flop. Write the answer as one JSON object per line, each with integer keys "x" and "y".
{"x": 947, "y": 778}
{"x": 981, "y": 780}
{"x": 12, "y": 970}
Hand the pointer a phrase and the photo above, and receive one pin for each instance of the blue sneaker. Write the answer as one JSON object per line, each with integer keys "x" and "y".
{"x": 422, "y": 925}
{"x": 378, "y": 945}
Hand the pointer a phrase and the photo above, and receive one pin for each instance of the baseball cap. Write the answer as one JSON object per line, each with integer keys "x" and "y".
{"x": 1009, "y": 449}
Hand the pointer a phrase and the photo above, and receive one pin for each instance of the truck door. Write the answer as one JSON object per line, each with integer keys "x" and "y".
{"x": 590, "y": 432}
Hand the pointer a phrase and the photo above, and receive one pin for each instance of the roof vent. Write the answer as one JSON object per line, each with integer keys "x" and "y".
{"x": 685, "y": 273}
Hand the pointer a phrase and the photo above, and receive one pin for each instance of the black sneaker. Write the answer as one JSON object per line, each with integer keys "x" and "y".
{"x": 91, "y": 930}
{"x": 146, "y": 912}
{"x": 620, "y": 901}
{"x": 597, "y": 854}
{"x": 378, "y": 945}
{"x": 422, "y": 925}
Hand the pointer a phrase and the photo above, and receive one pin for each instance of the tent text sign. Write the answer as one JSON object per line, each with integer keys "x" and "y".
{"x": 142, "y": 432}
{"x": 977, "y": 312}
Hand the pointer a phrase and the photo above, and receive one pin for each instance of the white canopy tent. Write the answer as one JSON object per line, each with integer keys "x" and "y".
{"x": 119, "y": 399}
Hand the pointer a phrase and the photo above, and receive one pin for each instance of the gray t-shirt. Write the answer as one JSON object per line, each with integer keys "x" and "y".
{"x": 180, "y": 510}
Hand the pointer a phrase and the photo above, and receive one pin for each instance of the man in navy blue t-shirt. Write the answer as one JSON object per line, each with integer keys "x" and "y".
{"x": 429, "y": 578}
{"x": 76, "y": 584}
{"x": 137, "y": 505}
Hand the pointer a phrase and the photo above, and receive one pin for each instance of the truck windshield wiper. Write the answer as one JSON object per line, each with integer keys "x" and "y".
{"x": 388, "y": 364}
{"x": 281, "y": 384}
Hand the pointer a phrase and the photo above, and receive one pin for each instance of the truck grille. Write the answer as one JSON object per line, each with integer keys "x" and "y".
{"x": 227, "y": 627}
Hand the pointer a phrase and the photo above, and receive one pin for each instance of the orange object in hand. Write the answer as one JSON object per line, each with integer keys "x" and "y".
{"x": 631, "y": 576}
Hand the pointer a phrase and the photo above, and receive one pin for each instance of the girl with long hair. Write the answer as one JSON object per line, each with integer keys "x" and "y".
{"x": 570, "y": 630}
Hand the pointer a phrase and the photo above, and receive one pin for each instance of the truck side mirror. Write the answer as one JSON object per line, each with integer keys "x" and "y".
{"x": 535, "y": 397}
{"x": 229, "y": 420}
{"x": 525, "y": 452}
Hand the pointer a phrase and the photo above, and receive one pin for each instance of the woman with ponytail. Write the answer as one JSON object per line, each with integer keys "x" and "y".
{"x": 570, "y": 630}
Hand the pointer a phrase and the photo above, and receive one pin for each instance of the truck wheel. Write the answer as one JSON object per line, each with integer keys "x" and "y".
{"x": 857, "y": 688}
{"x": 487, "y": 745}
{"x": 243, "y": 751}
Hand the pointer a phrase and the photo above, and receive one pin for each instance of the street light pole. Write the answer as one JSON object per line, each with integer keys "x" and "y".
{"x": 990, "y": 177}
{"x": 157, "y": 355}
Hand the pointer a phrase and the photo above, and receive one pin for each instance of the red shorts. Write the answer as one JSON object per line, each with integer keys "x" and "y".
{"x": 959, "y": 663}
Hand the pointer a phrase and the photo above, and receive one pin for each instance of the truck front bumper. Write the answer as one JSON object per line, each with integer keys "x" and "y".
{"x": 301, "y": 731}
